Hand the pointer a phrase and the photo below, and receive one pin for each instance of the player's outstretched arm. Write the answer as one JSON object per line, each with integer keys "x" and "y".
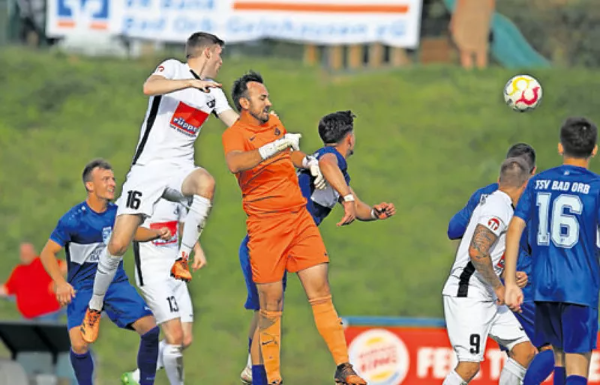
{"x": 514, "y": 295}
{"x": 479, "y": 252}
{"x": 64, "y": 291}
{"x": 159, "y": 85}
{"x": 366, "y": 213}
{"x": 228, "y": 117}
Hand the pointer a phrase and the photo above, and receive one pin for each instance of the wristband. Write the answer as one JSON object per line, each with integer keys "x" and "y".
{"x": 373, "y": 215}
{"x": 349, "y": 198}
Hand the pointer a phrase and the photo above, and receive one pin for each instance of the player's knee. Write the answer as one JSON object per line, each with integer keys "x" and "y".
{"x": 523, "y": 353}
{"x": 206, "y": 185}
{"x": 187, "y": 340}
{"x": 467, "y": 370}
{"x": 79, "y": 347}
{"x": 117, "y": 247}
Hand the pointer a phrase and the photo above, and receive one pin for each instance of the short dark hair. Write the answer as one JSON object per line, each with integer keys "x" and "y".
{"x": 335, "y": 126}
{"x": 199, "y": 41}
{"x": 240, "y": 87}
{"x": 578, "y": 137}
{"x": 514, "y": 172}
{"x": 525, "y": 151}
{"x": 96, "y": 163}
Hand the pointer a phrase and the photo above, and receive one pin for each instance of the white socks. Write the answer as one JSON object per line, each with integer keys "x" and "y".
{"x": 454, "y": 379}
{"x": 172, "y": 357}
{"x": 512, "y": 373}
{"x": 194, "y": 223}
{"x": 107, "y": 268}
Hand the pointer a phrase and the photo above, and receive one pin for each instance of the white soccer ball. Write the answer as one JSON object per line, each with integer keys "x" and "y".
{"x": 523, "y": 93}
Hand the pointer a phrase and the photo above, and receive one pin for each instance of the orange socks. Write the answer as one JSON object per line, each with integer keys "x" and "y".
{"x": 269, "y": 330}
{"x": 330, "y": 327}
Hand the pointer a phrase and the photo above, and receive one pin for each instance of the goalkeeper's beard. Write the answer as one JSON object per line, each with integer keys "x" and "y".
{"x": 262, "y": 117}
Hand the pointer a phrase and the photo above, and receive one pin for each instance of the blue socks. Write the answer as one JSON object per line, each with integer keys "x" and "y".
{"x": 576, "y": 380}
{"x": 147, "y": 356}
{"x": 259, "y": 375}
{"x": 83, "y": 366}
{"x": 560, "y": 375}
{"x": 540, "y": 368}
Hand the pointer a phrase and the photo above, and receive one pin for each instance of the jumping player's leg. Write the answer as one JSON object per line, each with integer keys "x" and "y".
{"x": 200, "y": 185}
{"x": 308, "y": 257}
{"x": 269, "y": 328}
{"x": 110, "y": 258}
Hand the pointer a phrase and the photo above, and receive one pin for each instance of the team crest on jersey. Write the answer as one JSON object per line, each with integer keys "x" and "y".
{"x": 211, "y": 103}
{"x": 277, "y": 132}
{"x": 188, "y": 120}
{"x": 106, "y": 231}
{"x": 494, "y": 224}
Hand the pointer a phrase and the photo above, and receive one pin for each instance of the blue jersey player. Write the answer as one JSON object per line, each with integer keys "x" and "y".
{"x": 83, "y": 232}
{"x": 337, "y": 133}
{"x": 561, "y": 207}
{"x": 543, "y": 364}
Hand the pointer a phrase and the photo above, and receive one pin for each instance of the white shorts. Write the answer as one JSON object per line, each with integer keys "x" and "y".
{"x": 169, "y": 299}
{"x": 470, "y": 321}
{"x": 145, "y": 185}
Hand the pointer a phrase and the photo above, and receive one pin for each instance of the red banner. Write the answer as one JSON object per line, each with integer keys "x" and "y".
{"x": 421, "y": 356}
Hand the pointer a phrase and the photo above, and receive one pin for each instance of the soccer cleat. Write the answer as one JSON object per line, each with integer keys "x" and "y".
{"x": 128, "y": 379}
{"x": 181, "y": 269}
{"x": 246, "y": 376}
{"x": 90, "y": 325}
{"x": 345, "y": 375}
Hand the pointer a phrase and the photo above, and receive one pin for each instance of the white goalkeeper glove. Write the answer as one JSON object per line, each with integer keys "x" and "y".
{"x": 289, "y": 140}
{"x": 312, "y": 164}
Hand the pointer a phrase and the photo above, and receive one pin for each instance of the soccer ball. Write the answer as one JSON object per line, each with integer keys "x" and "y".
{"x": 523, "y": 93}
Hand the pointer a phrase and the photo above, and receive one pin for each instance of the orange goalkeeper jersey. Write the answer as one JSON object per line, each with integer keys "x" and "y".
{"x": 272, "y": 186}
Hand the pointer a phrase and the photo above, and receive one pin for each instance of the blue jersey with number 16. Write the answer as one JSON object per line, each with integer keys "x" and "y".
{"x": 562, "y": 209}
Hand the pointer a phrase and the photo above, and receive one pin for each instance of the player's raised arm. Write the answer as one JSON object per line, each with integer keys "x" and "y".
{"x": 162, "y": 81}
{"x": 64, "y": 290}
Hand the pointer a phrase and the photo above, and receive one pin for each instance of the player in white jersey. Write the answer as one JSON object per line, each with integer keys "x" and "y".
{"x": 474, "y": 295}
{"x": 168, "y": 298}
{"x": 182, "y": 98}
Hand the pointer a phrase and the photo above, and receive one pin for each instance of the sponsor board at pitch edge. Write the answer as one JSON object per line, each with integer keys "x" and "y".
{"x": 392, "y": 22}
{"x": 380, "y": 356}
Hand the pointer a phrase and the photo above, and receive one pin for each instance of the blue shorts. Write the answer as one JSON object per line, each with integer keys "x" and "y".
{"x": 527, "y": 321}
{"x": 122, "y": 304}
{"x": 252, "y": 302}
{"x": 568, "y": 327}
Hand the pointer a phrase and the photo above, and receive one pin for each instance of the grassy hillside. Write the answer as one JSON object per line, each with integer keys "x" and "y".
{"x": 426, "y": 138}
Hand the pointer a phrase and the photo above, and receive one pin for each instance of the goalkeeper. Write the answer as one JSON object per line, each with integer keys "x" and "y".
{"x": 337, "y": 132}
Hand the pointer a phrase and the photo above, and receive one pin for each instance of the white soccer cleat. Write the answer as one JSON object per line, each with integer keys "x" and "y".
{"x": 246, "y": 375}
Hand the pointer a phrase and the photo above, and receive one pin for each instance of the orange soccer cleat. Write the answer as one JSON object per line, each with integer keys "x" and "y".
{"x": 181, "y": 269}
{"x": 345, "y": 375}
{"x": 90, "y": 325}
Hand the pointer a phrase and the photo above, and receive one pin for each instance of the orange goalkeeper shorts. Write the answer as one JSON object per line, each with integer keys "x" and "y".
{"x": 280, "y": 242}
